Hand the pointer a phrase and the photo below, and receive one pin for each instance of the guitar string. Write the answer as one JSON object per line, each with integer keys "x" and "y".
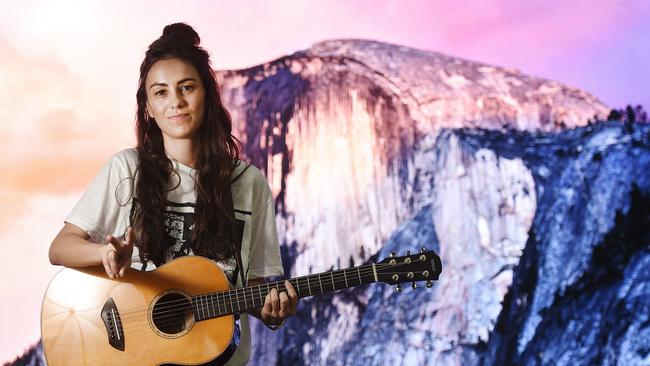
{"x": 173, "y": 318}
{"x": 266, "y": 288}
{"x": 185, "y": 308}
{"x": 251, "y": 293}
{"x": 338, "y": 276}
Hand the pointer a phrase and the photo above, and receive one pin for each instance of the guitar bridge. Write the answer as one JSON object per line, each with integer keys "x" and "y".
{"x": 113, "y": 324}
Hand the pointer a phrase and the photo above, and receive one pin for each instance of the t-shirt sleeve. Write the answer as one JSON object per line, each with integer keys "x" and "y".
{"x": 265, "y": 260}
{"x": 103, "y": 209}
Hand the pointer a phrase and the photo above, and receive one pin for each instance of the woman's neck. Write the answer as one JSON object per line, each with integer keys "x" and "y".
{"x": 183, "y": 151}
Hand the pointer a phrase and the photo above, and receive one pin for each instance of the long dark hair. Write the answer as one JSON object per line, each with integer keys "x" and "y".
{"x": 218, "y": 152}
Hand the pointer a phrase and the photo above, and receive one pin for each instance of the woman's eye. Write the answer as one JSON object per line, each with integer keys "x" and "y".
{"x": 160, "y": 92}
{"x": 187, "y": 88}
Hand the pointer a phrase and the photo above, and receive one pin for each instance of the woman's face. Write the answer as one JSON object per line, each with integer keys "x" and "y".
{"x": 175, "y": 98}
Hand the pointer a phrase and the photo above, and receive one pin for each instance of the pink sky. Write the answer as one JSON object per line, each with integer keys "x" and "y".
{"x": 68, "y": 74}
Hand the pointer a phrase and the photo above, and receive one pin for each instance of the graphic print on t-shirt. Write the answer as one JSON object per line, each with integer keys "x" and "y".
{"x": 178, "y": 226}
{"x": 179, "y": 223}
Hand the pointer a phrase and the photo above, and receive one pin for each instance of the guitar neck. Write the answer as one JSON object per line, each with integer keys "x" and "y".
{"x": 241, "y": 300}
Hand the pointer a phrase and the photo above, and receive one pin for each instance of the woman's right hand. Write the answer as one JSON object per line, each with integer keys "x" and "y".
{"x": 116, "y": 254}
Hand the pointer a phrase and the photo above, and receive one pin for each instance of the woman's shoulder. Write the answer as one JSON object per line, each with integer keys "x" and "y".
{"x": 249, "y": 177}
{"x": 125, "y": 161}
{"x": 128, "y": 155}
{"x": 247, "y": 172}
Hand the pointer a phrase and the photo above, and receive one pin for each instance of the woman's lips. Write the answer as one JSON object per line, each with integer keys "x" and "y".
{"x": 179, "y": 117}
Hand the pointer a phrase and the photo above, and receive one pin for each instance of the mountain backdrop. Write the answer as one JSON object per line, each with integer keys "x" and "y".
{"x": 539, "y": 214}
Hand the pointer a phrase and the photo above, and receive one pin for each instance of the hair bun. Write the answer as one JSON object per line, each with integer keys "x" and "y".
{"x": 181, "y": 32}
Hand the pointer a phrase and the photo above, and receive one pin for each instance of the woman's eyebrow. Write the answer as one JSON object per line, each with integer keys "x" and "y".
{"x": 179, "y": 82}
{"x": 186, "y": 79}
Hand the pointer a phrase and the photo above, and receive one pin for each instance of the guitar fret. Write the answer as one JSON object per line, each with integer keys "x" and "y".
{"x": 332, "y": 277}
{"x": 232, "y": 302}
{"x": 237, "y": 299}
{"x": 359, "y": 273}
{"x": 346, "y": 279}
{"x": 298, "y": 287}
{"x": 308, "y": 286}
{"x": 206, "y": 307}
{"x": 320, "y": 283}
{"x": 245, "y": 304}
{"x": 260, "y": 290}
{"x": 206, "y": 299}
{"x": 213, "y": 308}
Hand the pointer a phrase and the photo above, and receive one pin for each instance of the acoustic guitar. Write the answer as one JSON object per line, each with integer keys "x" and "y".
{"x": 182, "y": 312}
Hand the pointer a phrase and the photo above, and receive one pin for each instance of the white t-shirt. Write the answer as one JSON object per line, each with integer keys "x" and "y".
{"x": 106, "y": 205}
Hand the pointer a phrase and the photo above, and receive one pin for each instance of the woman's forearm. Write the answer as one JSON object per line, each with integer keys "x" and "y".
{"x": 71, "y": 248}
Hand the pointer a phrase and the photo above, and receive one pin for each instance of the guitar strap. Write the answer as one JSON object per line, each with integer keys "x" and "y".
{"x": 237, "y": 231}
{"x": 238, "y": 236}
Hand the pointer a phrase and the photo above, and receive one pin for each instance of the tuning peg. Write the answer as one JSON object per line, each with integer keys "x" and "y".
{"x": 423, "y": 249}
{"x": 429, "y": 284}
{"x": 408, "y": 252}
{"x": 414, "y": 285}
{"x": 393, "y": 254}
{"x": 398, "y": 288}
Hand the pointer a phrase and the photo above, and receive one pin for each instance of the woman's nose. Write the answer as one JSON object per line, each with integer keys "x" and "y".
{"x": 177, "y": 100}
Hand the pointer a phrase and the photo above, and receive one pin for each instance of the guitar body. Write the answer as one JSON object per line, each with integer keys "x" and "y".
{"x": 78, "y": 317}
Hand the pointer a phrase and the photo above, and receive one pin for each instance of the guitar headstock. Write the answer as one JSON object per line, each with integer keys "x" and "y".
{"x": 423, "y": 266}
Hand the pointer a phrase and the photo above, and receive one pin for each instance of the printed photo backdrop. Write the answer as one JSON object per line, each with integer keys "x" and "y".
{"x": 477, "y": 131}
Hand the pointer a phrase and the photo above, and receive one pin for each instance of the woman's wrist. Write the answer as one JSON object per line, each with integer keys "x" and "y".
{"x": 268, "y": 321}
{"x": 275, "y": 326}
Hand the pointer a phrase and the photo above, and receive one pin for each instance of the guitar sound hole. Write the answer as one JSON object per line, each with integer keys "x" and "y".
{"x": 172, "y": 313}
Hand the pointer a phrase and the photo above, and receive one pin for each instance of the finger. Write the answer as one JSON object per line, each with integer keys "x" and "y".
{"x": 126, "y": 265}
{"x": 293, "y": 296}
{"x": 112, "y": 262}
{"x": 275, "y": 303}
{"x": 284, "y": 305}
{"x": 268, "y": 308}
{"x": 111, "y": 254}
{"x": 113, "y": 240}
{"x": 107, "y": 267}
{"x": 130, "y": 236}
{"x": 291, "y": 291}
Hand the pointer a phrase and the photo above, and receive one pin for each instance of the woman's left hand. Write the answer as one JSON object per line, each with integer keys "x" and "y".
{"x": 279, "y": 306}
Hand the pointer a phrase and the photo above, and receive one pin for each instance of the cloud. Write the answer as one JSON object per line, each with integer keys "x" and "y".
{"x": 55, "y": 125}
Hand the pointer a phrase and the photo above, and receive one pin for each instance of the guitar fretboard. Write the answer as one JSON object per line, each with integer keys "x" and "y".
{"x": 240, "y": 300}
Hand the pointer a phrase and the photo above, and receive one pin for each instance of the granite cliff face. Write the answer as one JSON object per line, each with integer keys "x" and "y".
{"x": 336, "y": 128}
{"x": 545, "y": 260}
{"x": 372, "y": 148}
{"x": 351, "y": 140}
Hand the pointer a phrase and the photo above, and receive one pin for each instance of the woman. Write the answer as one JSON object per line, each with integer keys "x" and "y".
{"x": 182, "y": 190}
